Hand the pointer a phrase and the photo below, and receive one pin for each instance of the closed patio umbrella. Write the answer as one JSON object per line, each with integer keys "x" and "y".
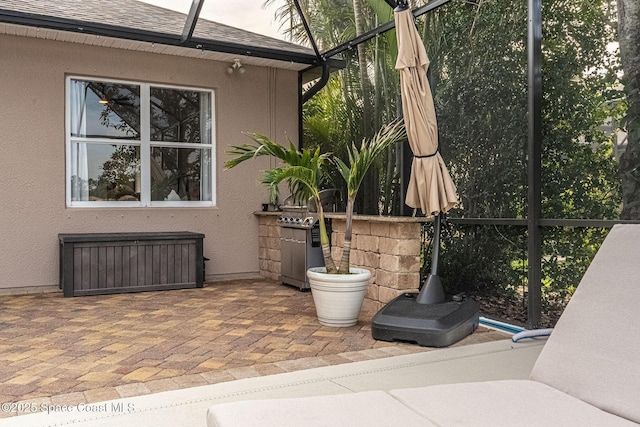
{"x": 425, "y": 318}
{"x": 430, "y": 186}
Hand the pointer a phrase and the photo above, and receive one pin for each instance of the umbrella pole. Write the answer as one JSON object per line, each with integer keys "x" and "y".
{"x": 436, "y": 244}
{"x": 432, "y": 291}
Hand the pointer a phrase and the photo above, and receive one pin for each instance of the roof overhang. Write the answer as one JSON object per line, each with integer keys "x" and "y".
{"x": 96, "y": 34}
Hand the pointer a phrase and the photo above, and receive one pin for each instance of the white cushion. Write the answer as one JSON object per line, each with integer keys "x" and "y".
{"x": 593, "y": 351}
{"x": 366, "y": 409}
{"x": 518, "y": 403}
{"x": 587, "y": 375}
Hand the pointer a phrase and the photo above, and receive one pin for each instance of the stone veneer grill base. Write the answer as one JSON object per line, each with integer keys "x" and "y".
{"x": 387, "y": 246}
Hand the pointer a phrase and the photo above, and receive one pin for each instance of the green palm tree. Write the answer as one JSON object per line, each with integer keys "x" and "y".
{"x": 359, "y": 98}
{"x": 353, "y": 173}
{"x": 304, "y": 170}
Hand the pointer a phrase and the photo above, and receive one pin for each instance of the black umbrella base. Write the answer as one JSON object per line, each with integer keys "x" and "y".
{"x": 428, "y": 325}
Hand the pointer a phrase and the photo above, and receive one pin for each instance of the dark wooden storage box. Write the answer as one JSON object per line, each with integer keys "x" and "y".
{"x": 109, "y": 263}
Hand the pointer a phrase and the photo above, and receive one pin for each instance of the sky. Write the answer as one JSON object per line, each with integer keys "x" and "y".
{"x": 249, "y": 15}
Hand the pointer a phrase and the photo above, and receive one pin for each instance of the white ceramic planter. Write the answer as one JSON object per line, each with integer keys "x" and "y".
{"x": 338, "y": 297}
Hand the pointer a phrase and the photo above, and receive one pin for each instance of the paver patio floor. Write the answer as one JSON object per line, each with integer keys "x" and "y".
{"x": 65, "y": 351}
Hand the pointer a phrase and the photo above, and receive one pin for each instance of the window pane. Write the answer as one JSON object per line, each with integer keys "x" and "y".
{"x": 180, "y": 174}
{"x": 105, "y": 110}
{"x": 105, "y": 172}
{"x": 180, "y": 115}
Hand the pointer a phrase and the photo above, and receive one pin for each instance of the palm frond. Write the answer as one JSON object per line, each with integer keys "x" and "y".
{"x": 301, "y": 181}
{"x": 263, "y": 147}
{"x": 303, "y": 170}
{"x": 360, "y": 159}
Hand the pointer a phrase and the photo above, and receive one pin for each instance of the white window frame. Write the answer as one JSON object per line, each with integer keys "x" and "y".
{"x": 145, "y": 145}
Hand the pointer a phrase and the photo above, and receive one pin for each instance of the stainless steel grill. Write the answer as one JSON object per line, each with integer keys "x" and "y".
{"x": 299, "y": 245}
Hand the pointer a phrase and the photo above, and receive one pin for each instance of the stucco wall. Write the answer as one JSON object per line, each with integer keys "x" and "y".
{"x": 32, "y": 160}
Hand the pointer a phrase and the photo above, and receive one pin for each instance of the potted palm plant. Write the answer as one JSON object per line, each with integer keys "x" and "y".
{"x": 337, "y": 288}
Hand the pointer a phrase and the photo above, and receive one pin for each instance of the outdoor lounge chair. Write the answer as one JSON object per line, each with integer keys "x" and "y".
{"x": 588, "y": 373}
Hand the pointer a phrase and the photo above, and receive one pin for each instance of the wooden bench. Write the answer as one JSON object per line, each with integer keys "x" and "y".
{"x": 109, "y": 263}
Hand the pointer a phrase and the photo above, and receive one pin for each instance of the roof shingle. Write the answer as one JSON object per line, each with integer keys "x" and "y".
{"x": 134, "y": 14}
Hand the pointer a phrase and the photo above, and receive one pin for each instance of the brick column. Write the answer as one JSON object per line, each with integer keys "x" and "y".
{"x": 269, "y": 246}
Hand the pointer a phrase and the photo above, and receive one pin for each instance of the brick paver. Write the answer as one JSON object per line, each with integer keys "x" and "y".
{"x": 89, "y": 349}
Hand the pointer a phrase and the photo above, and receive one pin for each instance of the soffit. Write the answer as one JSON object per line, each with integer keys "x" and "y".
{"x": 118, "y": 43}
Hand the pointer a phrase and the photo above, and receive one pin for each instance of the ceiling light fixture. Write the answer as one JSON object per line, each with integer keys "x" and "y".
{"x": 236, "y": 67}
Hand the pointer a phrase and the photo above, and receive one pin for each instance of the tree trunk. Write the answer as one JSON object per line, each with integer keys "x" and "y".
{"x": 370, "y": 184}
{"x": 325, "y": 241}
{"x": 345, "y": 261}
{"x": 362, "y": 64}
{"x": 629, "y": 38}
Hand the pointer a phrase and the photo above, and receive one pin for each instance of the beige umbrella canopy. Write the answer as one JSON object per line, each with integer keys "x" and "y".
{"x": 430, "y": 186}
